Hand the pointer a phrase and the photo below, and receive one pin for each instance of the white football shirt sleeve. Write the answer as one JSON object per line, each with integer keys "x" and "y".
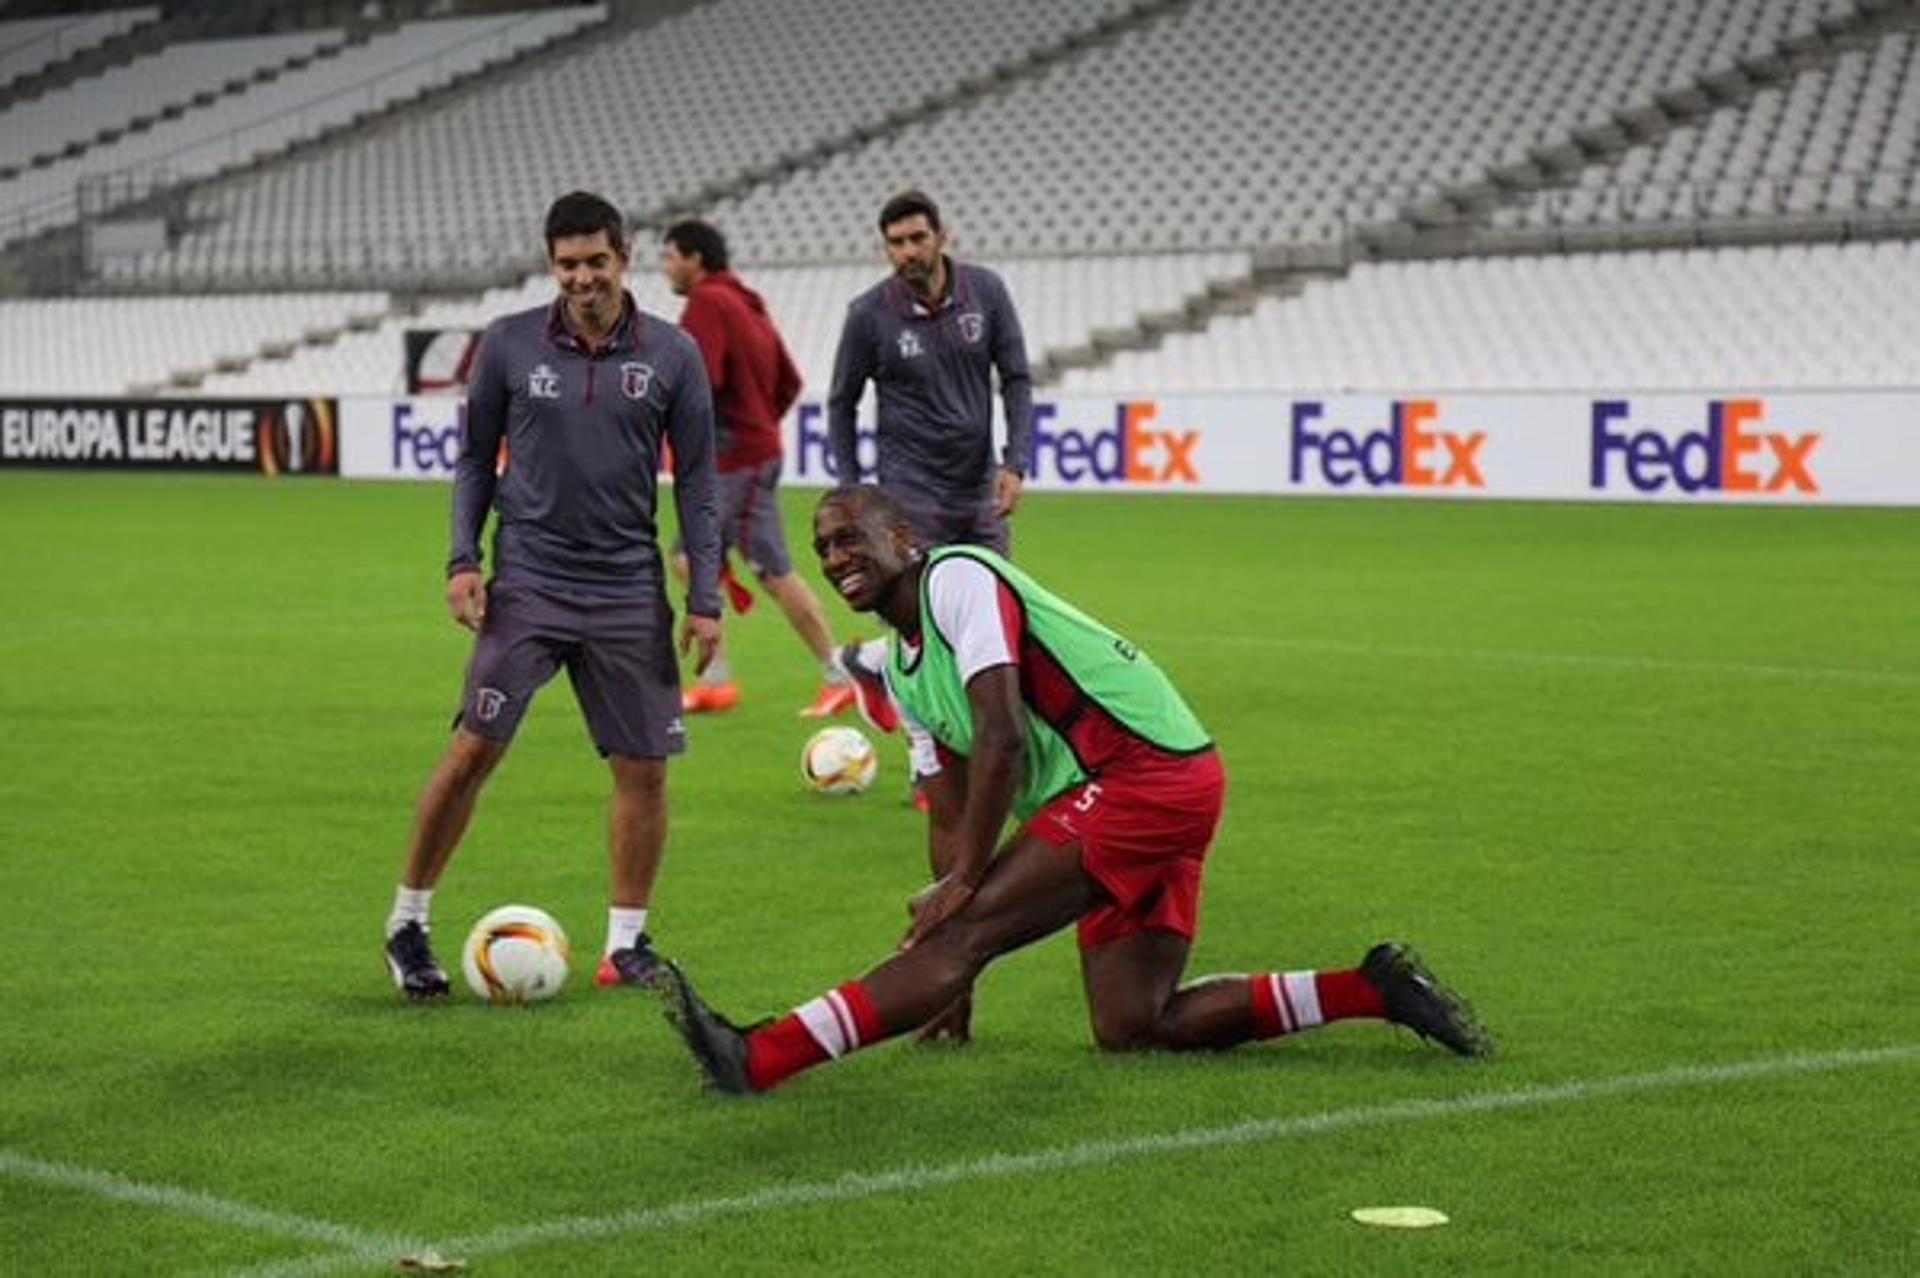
{"x": 964, "y": 596}
{"x": 923, "y": 756}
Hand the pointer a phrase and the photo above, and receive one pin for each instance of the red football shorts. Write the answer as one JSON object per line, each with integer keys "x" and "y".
{"x": 1143, "y": 832}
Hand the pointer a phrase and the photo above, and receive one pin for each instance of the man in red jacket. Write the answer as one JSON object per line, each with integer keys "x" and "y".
{"x": 754, "y": 384}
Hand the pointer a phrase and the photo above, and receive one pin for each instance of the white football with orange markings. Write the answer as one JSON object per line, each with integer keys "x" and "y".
{"x": 516, "y": 954}
{"x": 838, "y": 761}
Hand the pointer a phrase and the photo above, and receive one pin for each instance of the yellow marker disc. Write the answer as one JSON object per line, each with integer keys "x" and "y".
{"x": 1400, "y": 1217}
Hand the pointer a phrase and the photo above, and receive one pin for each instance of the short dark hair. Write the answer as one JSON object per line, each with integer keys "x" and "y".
{"x": 858, "y": 500}
{"x": 584, "y": 213}
{"x": 695, "y": 238}
{"x": 906, "y": 205}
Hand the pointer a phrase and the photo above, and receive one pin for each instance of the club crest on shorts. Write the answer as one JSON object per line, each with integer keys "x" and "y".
{"x": 973, "y": 325}
{"x": 488, "y": 703}
{"x": 634, "y": 380}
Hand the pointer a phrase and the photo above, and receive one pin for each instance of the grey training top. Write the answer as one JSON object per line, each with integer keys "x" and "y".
{"x": 933, "y": 370}
{"x": 583, "y": 431}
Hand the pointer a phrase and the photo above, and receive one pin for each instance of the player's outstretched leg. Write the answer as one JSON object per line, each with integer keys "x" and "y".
{"x": 1415, "y": 998}
{"x": 740, "y": 1060}
{"x": 440, "y": 818}
{"x": 1030, "y": 891}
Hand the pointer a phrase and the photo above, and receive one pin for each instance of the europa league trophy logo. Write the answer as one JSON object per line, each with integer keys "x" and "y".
{"x": 296, "y": 436}
{"x": 294, "y": 416}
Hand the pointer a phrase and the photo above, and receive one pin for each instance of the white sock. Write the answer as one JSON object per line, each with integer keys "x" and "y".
{"x": 831, "y": 673}
{"x": 874, "y": 653}
{"x": 717, "y": 670}
{"x": 624, "y": 926}
{"x": 830, "y": 1023}
{"x": 410, "y": 905}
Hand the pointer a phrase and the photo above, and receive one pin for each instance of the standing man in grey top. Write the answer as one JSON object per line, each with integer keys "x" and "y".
{"x": 930, "y": 338}
{"x": 568, "y": 410}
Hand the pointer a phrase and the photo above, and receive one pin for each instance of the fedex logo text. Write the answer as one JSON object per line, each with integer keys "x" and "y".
{"x": 1729, "y": 455}
{"x": 1127, "y": 452}
{"x": 1407, "y": 453}
{"x": 813, "y": 457}
{"x": 425, "y": 447}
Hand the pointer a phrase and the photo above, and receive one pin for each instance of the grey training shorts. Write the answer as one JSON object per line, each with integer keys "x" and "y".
{"x": 619, "y": 657}
{"x": 749, "y": 501}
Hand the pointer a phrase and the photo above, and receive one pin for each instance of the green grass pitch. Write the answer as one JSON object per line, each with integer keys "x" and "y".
{"x": 1644, "y": 782}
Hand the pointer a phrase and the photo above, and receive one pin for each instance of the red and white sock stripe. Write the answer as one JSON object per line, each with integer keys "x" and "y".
{"x": 1296, "y": 1000}
{"x": 831, "y": 1023}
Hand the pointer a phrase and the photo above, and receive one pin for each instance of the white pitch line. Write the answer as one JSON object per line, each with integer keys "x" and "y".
{"x": 855, "y": 1185}
{"x": 187, "y": 1202}
{"x": 1519, "y": 657}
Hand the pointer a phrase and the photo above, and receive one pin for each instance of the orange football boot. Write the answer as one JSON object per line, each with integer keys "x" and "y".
{"x": 710, "y": 698}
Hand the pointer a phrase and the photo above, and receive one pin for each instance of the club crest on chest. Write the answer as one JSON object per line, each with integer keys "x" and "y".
{"x": 634, "y": 380}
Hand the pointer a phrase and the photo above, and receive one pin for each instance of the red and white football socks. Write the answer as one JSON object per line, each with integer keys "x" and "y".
{"x": 840, "y": 1021}
{"x": 1288, "y": 1002}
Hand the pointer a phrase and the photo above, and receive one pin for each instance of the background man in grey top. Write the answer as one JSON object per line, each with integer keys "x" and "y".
{"x": 929, "y": 338}
{"x": 568, "y": 408}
